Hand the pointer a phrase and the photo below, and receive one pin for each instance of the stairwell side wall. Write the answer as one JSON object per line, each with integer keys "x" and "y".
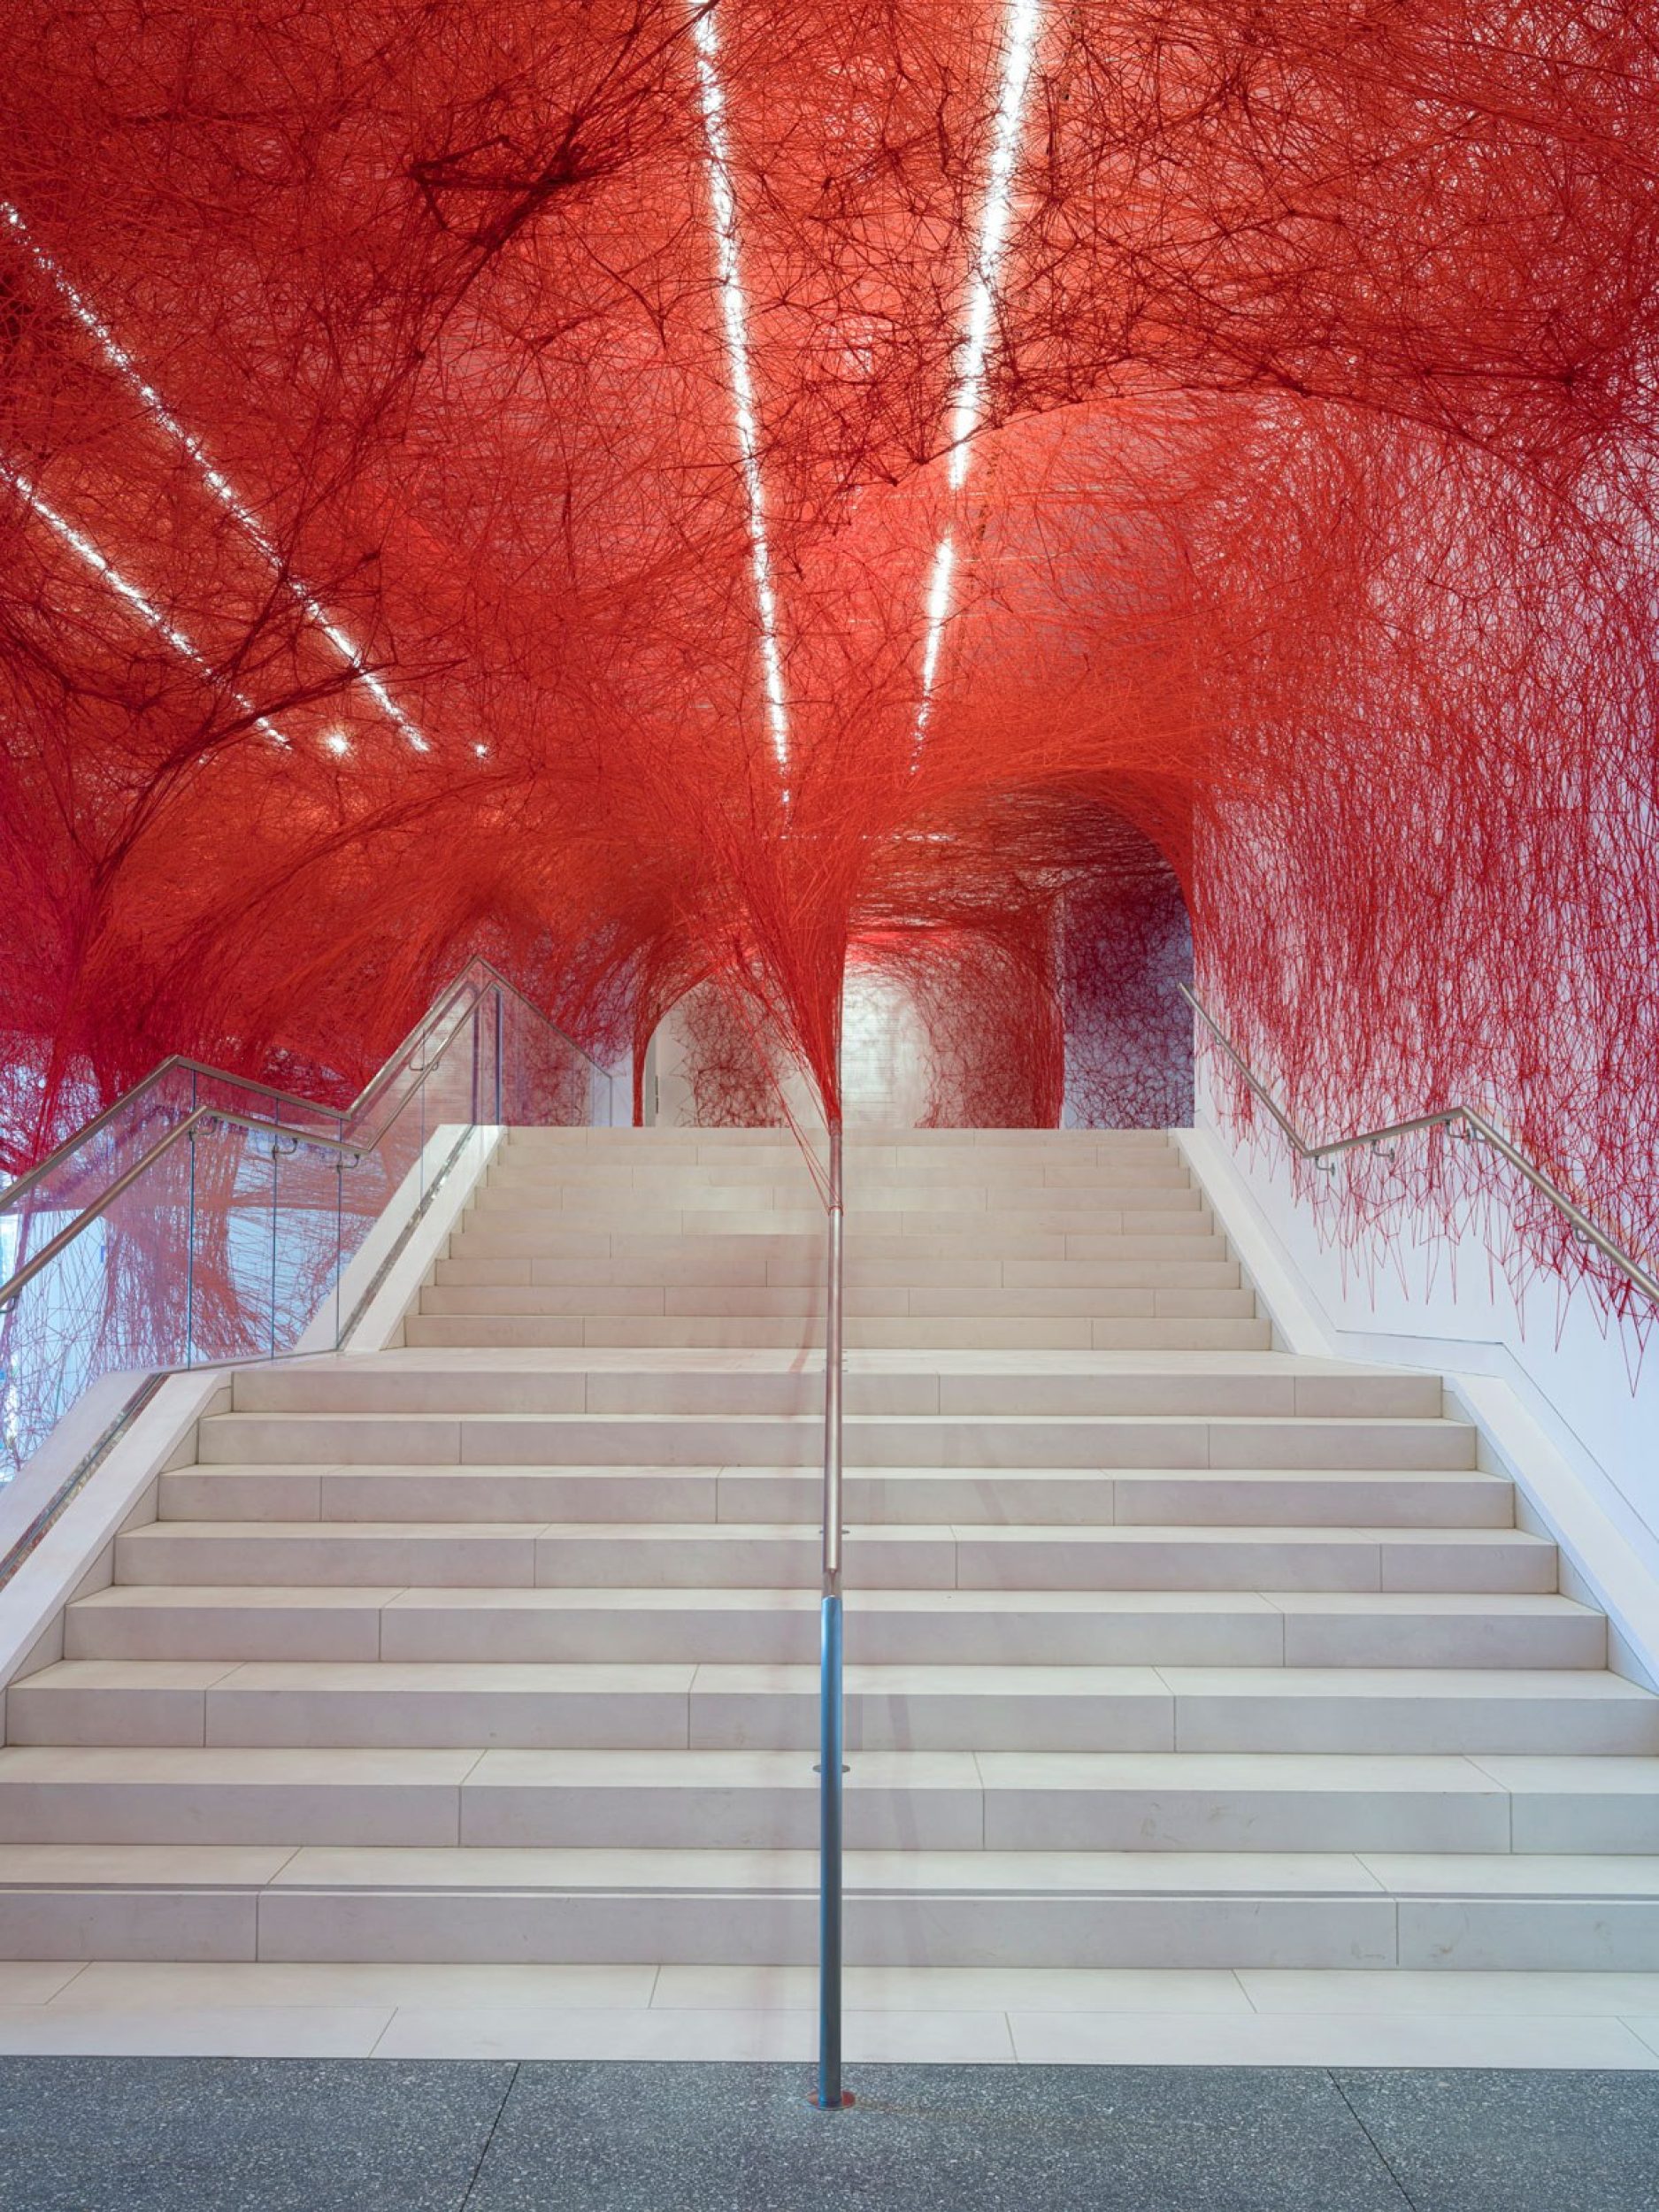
{"x": 1564, "y": 1408}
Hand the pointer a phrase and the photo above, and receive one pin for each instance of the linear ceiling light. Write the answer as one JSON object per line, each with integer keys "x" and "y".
{"x": 735, "y": 317}
{"x": 145, "y": 609}
{"x": 1019, "y": 42}
{"x": 219, "y": 485}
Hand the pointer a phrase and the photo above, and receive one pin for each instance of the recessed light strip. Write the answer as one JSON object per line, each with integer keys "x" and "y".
{"x": 734, "y": 317}
{"x": 217, "y": 482}
{"x": 145, "y": 609}
{"x": 1019, "y": 44}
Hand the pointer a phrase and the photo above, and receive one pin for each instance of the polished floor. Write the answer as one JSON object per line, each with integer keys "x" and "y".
{"x": 240, "y": 2135}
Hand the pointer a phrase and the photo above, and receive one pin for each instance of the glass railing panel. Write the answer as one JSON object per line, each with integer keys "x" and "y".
{"x": 117, "y": 1296}
{"x": 99, "y": 1156}
{"x": 310, "y": 1244}
{"x": 204, "y": 1219}
{"x": 420, "y": 1117}
{"x": 546, "y": 1082}
{"x": 232, "y": 1174}
{"x": 265, "y": 1245}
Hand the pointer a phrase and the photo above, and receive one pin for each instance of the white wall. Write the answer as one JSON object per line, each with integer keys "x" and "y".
{"x": 1568, "y": 1386}
{"x": 884, "y": 1063}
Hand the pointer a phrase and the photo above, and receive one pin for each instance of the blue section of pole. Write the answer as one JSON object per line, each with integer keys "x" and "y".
{"x": 830, "y": 1750}
{"x": 830, "y": 2095}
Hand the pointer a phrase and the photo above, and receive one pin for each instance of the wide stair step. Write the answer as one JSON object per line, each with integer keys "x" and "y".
{"x": 389, "y": 1704}
{"x": 737, "y": 1555}
{"x": 877, "y": 1496}
{"x": 758, "y": 1800}
{"x": 1221, "y": 1628}
{"x": 907, "y": 1907}
{"x": 904, "y": 1332}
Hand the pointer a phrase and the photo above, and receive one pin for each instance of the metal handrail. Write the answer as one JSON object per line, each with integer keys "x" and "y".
{"x": 1583, "y": 1226}
{"x": 342, "y": 1115}
{"x": 493, "y": 978}
{"x": 177, "y": 1134}
{"x": 350, "y": 1149}
{"x": 13, "y": 1191}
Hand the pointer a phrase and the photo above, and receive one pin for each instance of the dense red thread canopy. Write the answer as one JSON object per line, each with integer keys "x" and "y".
{"x": 1304, "y": 549}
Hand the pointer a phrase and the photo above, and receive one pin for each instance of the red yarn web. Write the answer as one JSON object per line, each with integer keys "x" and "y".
{"x": 1304, "y": 563}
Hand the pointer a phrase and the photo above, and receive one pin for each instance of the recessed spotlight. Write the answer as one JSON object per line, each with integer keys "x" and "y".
{"x": 337, "y": 741}
{"x": 482, "y": 751}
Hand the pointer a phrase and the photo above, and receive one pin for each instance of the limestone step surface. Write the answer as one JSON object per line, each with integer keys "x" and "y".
{"x": 1164, "y": 1647}
{"x": 390, "y": 1704}
{"x": 901, "y": 1331}
{"x": 1234, "y": 1628}
{"x": 1013, "y": 1497}
{"x": 756, "y": 1800}
{"x": 668, "y": 1437}
{"x": 908, "y": 1907}
{"x": 739, "y": 1555}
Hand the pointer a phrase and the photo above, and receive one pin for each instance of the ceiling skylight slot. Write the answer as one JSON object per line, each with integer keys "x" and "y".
{"x": 186, "y": 646}
{"x": 1019, "y": 45}
{"x": 122, "y": 362}
{"x": 734, "y": 322}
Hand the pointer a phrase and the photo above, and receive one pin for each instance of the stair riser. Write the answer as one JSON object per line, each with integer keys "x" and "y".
{"x": 1010, "y": 1387}
{"x": 937, "y": 1231}
{"x": 775, "y": 1720}
{"x": 787, "y": 1633}
{"x": 1155, "y": 1932}
{"x": 687, "y": 1274}
{"x": 759, "y": 1441}
{"x": 770, "y": 1930}
{"x": 577, "y": 1301}
{"x": 1083, "y": 1499}
{"x": 648, "y": 1195}
{"x": 738, "y": 1331}
{"x": 342, "y": 1556}
{"x": 872, "y": 1167}
{"x": 641, "y": 1817}
{"x": 1082, "y": 1160}
{"x": 320, "y": 1925}
{"x": 865, "y": 1141}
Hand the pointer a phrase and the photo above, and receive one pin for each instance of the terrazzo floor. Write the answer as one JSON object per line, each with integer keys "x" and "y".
{"x": 82, "y": 2134}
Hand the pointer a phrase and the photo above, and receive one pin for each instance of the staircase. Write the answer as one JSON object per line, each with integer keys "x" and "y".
{"x": 1165, "y": 1648}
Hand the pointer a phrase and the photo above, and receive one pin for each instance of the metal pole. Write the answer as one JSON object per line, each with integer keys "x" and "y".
{"x": 831, "y": 2095}
{"x": 275, "y": 1145}
{"x": 190, "y": 1243}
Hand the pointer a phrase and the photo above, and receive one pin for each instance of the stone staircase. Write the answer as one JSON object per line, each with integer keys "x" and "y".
{"x": 1165, "y": 1648}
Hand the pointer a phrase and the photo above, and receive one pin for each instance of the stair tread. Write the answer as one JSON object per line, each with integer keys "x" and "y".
{"x": 870, "y": 1532}
{"x": 893, "y": 1678}
{"x": 460, "y": 1867}
{"x": 364, "y": 1767}
{"x": 481, "y": 1471}
{"x": 1380, "y": 1603}
{"x": 765, "y": 1361}
{"x": 858, "y": 1417}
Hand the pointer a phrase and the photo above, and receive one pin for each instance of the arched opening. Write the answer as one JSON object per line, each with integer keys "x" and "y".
{"x": 1068, "y": 1016}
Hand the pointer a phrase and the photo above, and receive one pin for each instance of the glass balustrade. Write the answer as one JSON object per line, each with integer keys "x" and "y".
{"x": 204, "y": 1218}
